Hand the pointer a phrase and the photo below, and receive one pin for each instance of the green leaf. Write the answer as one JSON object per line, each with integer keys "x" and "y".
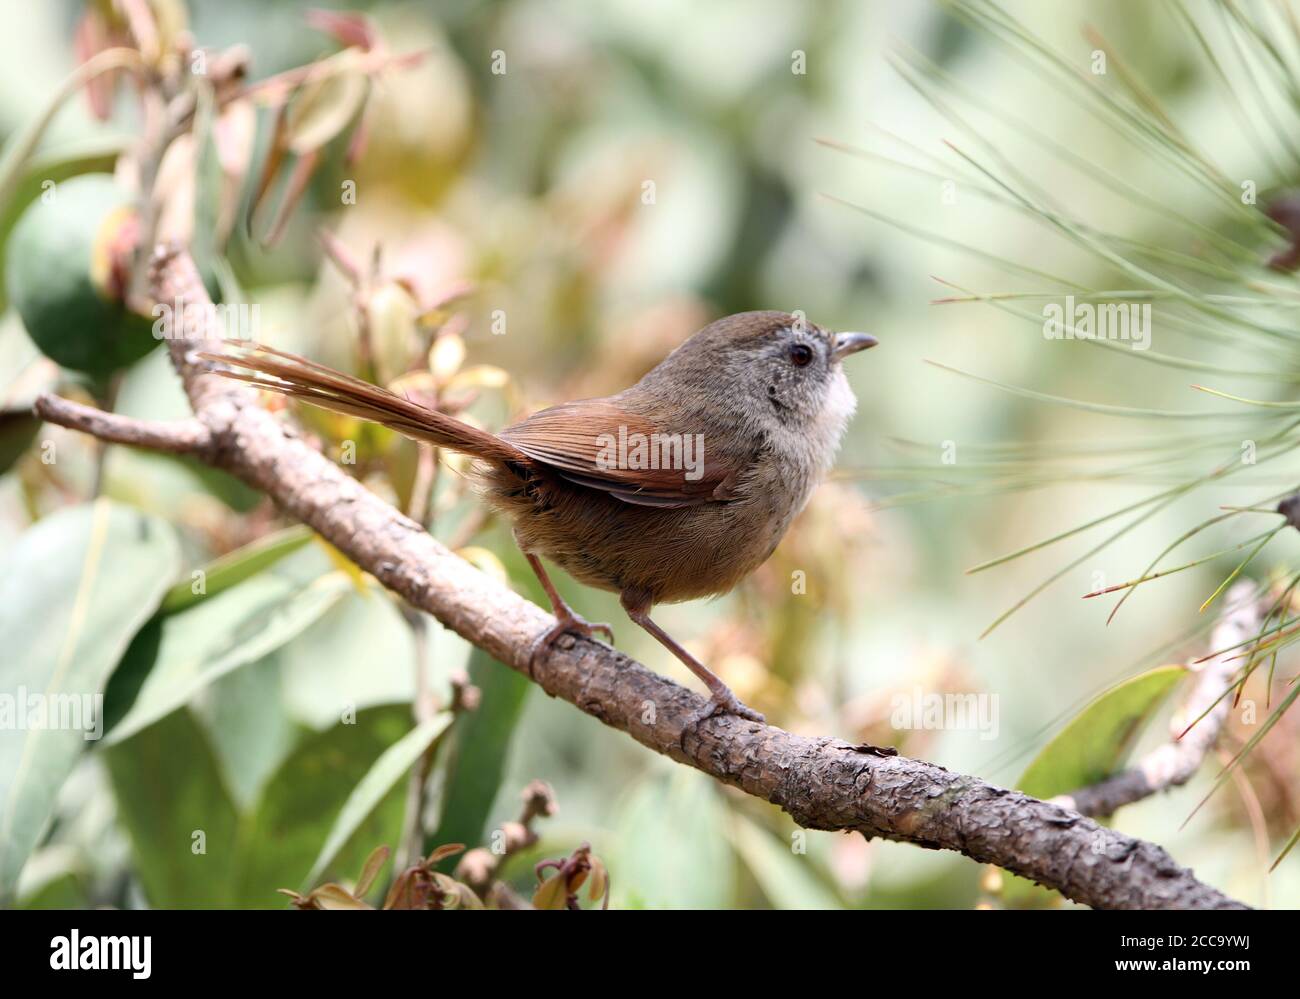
{"x": 1091, "y": 747}
{"x": 20, "y": 147}
{"x": 73, "y": 591}
{"x": 789, "y": 880}
{"x": 319, "y": 668}
{"x": 97, "y": 158}
{"x": 237, "y": 566}
{"x": 1094, "y": 744}
{"x": 170, "y": 786}
{"x": 181, "y": 819}
{"x": 302, "y": 802}
{"x": 386, "y": 774}
{"x": 250, "y": 730}
{"x": 17, "y": 430}
{"x": 231, "y": 491}
{"x": 64, "y": 892}
{"x": 56, "y": 876}
{"x": 671, "y": 849}
{"x": 478, "y": 763}
{"x": 178, "y": 655}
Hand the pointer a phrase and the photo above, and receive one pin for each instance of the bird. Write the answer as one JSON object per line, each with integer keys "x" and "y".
{"x": 673, "y": 489}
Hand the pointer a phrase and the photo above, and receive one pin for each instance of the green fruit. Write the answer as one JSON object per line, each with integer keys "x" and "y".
{"x": 64, "y": 276}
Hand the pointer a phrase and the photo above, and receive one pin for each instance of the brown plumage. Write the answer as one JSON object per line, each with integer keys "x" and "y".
{"x": 674, "y": 489}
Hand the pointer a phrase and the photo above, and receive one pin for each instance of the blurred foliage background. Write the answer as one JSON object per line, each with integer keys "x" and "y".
{"x": 550, "y": 231}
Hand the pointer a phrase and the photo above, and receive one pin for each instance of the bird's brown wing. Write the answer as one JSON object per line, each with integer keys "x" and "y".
{"x": 598, "y": 444}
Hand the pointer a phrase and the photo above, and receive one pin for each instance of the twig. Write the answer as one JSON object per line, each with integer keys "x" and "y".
{"x": 423, "y": 707}
{"x": 823, "y": 783}
{"x": 479, "y": 867}
{"x": 1175, "y": 762}
{"x": 182, "y": 437}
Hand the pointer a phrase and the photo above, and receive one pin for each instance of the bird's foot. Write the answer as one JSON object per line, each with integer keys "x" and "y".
{"x": 566, "y": 624}
{"x": 721, "y": 702}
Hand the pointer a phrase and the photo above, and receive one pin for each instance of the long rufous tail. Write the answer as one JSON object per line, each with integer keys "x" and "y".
{"x": 294, "y": 376}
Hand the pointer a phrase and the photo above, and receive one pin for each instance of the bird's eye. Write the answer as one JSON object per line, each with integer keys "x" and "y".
{"x": 800, "y": 355}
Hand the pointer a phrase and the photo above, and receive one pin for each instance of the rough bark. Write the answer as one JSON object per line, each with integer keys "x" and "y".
{"x": 822, "y": 783}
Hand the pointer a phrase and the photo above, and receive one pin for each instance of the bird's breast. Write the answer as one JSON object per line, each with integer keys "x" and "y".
{"x": 669, "y": 554}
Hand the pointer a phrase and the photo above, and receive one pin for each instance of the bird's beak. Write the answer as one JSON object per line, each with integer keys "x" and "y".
{"x": 851, "y": 343}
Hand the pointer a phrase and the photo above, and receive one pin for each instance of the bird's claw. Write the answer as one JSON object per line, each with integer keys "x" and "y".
{"x": 573, "y": 624}
{"x": 722, "y": 702}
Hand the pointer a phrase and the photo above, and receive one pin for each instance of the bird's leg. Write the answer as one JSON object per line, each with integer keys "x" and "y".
{"x": 721, "y": 698}
{"x": 567, "y": 621}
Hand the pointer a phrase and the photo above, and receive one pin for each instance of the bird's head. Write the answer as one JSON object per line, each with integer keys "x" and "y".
{"x": 776, "y": 367}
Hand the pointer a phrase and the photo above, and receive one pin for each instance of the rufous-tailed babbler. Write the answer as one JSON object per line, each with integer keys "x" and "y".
{"x": 728, "y": 436}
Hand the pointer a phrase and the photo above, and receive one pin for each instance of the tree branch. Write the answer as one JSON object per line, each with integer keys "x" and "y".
{"x": 182, "y": 437}
{"x": 822, "y": 783}
{"x": 1206, "y": 711}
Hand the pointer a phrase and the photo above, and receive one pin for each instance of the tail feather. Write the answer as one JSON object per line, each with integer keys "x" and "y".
{"x": 299, "y": 378}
